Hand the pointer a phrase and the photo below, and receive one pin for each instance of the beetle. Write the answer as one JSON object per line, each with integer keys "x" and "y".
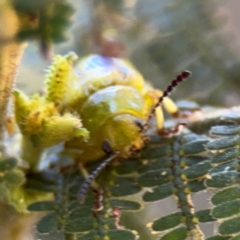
{"x": 115, "y": 104}
{"x": 113, "y": 101}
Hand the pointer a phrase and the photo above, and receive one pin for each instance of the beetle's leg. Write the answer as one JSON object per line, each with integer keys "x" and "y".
{"x": 98, "y": 202}
{"x": 90, "y": 178}
{"x": 159, "y": 118}
{"x": 169, "y": 132}
{"x": 170, "y": 106}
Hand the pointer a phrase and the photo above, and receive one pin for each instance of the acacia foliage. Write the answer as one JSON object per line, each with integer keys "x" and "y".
{"x": 178, "y": 166}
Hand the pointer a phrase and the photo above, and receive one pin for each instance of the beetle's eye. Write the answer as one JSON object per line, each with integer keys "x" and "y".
{"x": 106, "y": 147}
{"x": 139, "y": 123}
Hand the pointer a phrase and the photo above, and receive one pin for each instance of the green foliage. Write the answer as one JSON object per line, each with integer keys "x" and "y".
{"x": 186, "y": 163}
{"x": 44, "y": 21}
{"x": 99, "y": 217}
{"x": 226, "y": 207}
{"x": 10, "y": 177}
{"x": 13, "y": 182}
{"x": 217, "y": 237}
{"x": 53, "y": 18}
{"x": 164, "y": 37}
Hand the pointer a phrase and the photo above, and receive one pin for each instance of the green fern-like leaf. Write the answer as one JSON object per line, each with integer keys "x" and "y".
{"x": 93, "y": 216}
{"x": 225, "y": 174}
{"x": 10, "y": 177}
{"x": 175, "y": 166}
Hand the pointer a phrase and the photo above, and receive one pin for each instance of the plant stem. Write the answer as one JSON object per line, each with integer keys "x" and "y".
{"x": 10, "y": 56}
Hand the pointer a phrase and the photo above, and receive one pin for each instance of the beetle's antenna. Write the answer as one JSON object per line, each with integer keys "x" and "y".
{"x": 86, "y": 184}
{"x": 181, "y": 77}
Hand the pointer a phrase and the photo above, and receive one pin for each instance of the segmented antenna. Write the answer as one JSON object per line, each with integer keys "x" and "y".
{"x": 86, "y": 184}
{"x": 181, "y": 77}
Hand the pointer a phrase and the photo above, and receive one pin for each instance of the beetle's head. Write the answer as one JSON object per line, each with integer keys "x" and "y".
{"x": 123, "y": 132}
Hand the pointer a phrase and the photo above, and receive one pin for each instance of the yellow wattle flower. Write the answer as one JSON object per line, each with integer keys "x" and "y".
{"x": 21, "y": 107}
{"x": 57, "y": 78}
{"x": 40, "y": 121}
{"x": 58, "y": 129}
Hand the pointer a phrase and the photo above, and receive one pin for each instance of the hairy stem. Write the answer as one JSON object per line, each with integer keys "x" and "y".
{"x": 9, "y": 61}
{"x": 14, "y": 225}
{"x": 10, "y": 55}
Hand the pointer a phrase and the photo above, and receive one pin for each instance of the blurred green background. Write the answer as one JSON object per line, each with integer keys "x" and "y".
{"x": 162, "y": 38}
